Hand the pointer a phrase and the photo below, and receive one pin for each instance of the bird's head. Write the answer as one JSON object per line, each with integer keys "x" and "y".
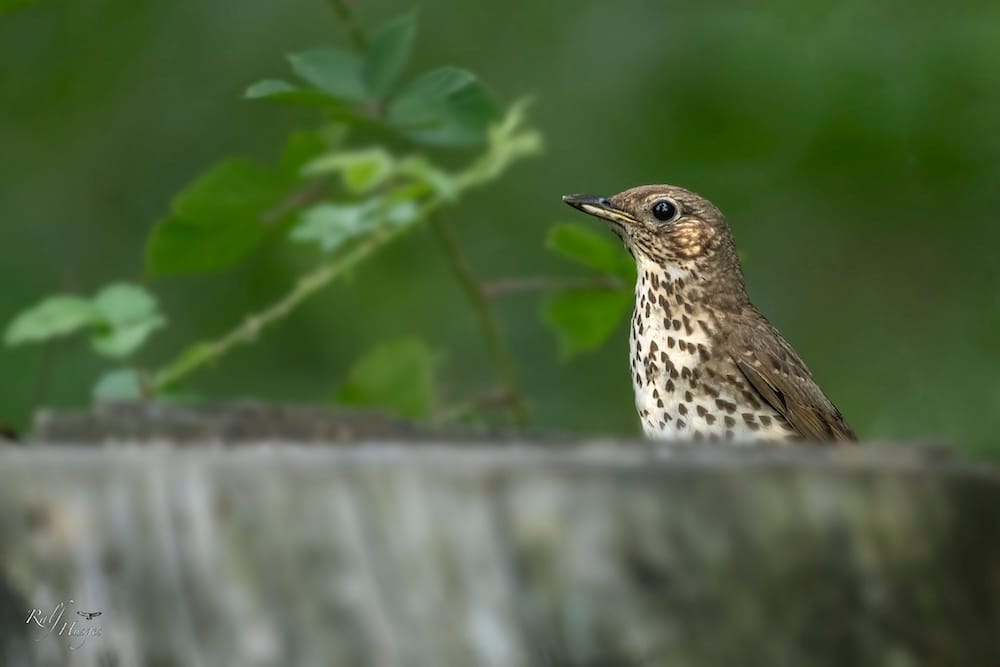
{"x": 663, "y": 224}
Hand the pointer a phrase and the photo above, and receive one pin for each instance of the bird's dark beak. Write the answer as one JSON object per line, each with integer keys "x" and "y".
{"x": 580, "y": 201}
{"x": 599, "y": 207}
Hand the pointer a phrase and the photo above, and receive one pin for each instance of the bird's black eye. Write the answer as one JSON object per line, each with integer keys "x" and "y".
{"x": 665, "y": 210}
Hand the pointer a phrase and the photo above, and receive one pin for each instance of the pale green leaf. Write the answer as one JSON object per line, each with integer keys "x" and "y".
{"x": 130, "y": 314}
{"x": 361, "y": 171}
{"x": 397, "y": 376}
{"x": 388, "y": 53}
{"x": 122, "y": 340}
{"x": 437, "y": 180}
{"x": 401, "y": 212}
{"x": 508, "y": 142}
{"x": 583, "y": 319}
{"x": 332, "y": 225}
{"x": 124, "y": 303}
{"x": 53, "y": 317}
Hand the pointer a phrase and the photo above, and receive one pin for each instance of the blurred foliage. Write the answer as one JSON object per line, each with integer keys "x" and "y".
{"x": 584, "y": 319}
{"x": 854, "y": 148}
{"x": 238, "y": 204}
{"x": 398, "y": 375}
{"x": 120, "y": 317}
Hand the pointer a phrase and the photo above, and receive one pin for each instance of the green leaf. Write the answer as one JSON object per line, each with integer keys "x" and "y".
{"x": 446, "y": 106}
{"x": 123, "y": 384}
{"x": 437, "y": 180}
{"x": 507, "y": 142}
{"x": 401, "y": 212}
{"x": 123, "y": 304}
{"x": 55, "y": 316}
{"x": 119, "y": 342}
{"x": 391, "y": 46}
{"x": 583, "y": 319}
{"x": 334, "y": 71}
{"x": 592, "y": 249}
{"x": 361, "y": 170}
{"x": 219, "y": 218}
{"x": 268, "y": 88}
{"x": 397, "y": 376}
{"x": 332, "y": 225}
{"x": 416, "y": 100}
{"x": 130, "y": 314}
{"x": 277, "y": 90}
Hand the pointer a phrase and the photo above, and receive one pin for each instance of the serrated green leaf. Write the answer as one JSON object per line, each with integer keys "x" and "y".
{"x": 583, "y": 319}
{"x": 332, "y": 225}
{"x": 53, "y": 317}
{"x": 391, "y": 46}
{"x": 397, "y": 376}
{"x": 590, "y": 248}
{"x": 361, "y": 170}
{"x": 219, "y": 218}
{"x": 122, "y": 384}
{"x": 334, "y": 71}
{"x": 446, "y": 106}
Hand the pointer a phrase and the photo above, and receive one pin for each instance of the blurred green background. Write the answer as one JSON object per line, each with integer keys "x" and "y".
{"x": 855, "y": 149}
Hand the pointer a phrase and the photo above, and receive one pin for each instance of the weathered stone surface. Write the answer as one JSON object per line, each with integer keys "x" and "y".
{"x": 470, "y": 553}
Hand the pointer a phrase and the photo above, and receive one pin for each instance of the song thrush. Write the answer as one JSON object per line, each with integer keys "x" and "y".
{"x": 706, "y": 364}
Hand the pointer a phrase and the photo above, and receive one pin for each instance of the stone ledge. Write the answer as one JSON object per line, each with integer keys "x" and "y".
{"x": 476, "y": 552}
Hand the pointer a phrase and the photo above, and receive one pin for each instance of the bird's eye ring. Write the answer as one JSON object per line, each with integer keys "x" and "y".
{"x": 665, "y": 210}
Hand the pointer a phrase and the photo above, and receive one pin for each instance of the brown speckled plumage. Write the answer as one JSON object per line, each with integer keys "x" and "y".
{"x": 705, "y": 363}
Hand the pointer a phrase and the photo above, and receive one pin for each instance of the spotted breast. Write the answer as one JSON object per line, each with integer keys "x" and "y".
{"x": 683, "y": 388}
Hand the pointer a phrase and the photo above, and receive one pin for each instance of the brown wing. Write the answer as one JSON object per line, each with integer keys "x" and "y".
{"x": 773, "y": 368}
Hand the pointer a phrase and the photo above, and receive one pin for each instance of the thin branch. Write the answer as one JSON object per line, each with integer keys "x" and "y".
{"x": 498, "y": 288}
{"x": 345, "y": 14}
{"x": 503, "y": 363}
{"x": 309, "y": 194}
{"x": 204, "y": 353}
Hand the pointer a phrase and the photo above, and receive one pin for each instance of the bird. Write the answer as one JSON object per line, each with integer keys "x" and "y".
{"x": 705, "y": 363}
